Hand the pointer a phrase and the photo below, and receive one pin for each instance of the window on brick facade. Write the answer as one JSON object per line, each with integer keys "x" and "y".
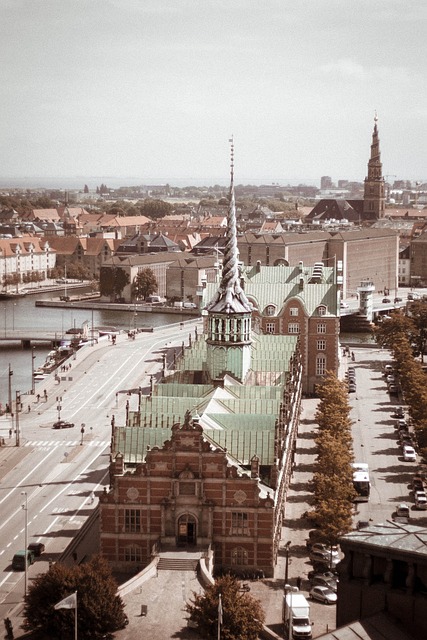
{"x": 320, "y": 365}
{"x": 321, "y": 327}
{"x": 132, "y": 520}
{"x": 133, "y": 554}
{"x": 321, "y": 310}
{"x": 239, "y": 556}
{"x": 293, "y": 327}
{"x": 270, "y": 310}
{"x": 239, "y": 523}
{"x": 293, "y": 311}
{"x": 270, "y": 327}
{"x": 321, "y": 345}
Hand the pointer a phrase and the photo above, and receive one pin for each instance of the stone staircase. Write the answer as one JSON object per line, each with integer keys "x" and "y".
{"x": 177, "y": 564}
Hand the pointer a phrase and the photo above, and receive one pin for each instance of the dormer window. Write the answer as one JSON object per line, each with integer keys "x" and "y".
{"x": 321, "y": 310}
{"x": 270, "y": 310}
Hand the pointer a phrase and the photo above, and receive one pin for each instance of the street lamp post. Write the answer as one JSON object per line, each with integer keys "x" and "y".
{"x": 25, "y": 508}
{"x": 58, "y": 406}
{"x": 33, "y": 357}
{"x": 82, "y": 431}
{"x": 287, "y": 545}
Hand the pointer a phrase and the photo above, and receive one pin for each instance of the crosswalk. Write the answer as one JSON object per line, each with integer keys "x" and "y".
{"x": 42, "y": 444}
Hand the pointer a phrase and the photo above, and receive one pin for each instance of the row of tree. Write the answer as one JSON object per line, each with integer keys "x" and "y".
{"x": 333, "y": 478}
{"x": 113, "y": 281}
{"x": 405, "y": 334}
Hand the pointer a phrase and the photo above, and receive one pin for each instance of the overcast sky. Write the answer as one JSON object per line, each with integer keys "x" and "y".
{"x": 153, "y": 89}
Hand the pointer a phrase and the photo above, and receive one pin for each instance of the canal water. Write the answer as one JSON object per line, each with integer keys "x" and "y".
{"x": 23, "y": 314}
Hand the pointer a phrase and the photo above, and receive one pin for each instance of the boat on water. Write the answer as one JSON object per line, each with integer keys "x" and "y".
{"x": 10, "y": 295}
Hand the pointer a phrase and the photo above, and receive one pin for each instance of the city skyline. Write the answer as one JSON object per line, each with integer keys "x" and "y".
{"x": 138, "y": 88}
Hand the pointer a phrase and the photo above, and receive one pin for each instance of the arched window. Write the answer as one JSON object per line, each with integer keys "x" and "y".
{"x": 321, "y": 310}
{"x": 270, "y": 310}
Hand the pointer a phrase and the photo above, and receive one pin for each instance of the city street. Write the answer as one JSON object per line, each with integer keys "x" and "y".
{"x": 54, "y": 472}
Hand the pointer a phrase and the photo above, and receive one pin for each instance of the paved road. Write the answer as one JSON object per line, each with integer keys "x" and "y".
{"x": 57, "y": 470}
{"x": 374, "y": 442}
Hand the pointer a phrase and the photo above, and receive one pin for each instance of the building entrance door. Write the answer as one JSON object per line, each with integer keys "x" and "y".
{"x": 187, "y": 530}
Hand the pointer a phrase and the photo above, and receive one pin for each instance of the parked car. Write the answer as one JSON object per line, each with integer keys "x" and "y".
{"x": 409, "y": 454}
{"x": 362, "y": 524}
{"x": 321, "y": 546}
{"x": 351, "y": 387}
{"x": 397, "y": 299}
{"x": 63, "y": 424}
{"x": 323, "y": 557}
{"x": 386, "y": 300}
{"x": 390, "y": 378}
{"x": 343, "y": 305}
{"x": 420, "y": 500}
{"x": 388, "y": 368}
{"x": 323, "y": 594}
{"x": 417, "y": 483}
{"x": 326, "y": 573}
{"x": 319, "y": 579}
{"x": 401, "y": 424}
{"x": 399, "y": 412}
{"x": 392, "y": 389}
{"x": 402, "y": 513}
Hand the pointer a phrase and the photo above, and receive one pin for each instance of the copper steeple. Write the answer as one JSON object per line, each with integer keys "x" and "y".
{"x": 230, "y": 297}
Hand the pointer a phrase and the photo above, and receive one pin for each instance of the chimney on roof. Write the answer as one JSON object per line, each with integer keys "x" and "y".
{"x": 258, "y": 266}
{"x": 301, "y": 284}
{"x": 255, "y": 467}
{"x": 301, "y": 266}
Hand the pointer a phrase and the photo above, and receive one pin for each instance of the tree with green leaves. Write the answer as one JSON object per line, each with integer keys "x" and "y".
{"x": 112, "y": 281}
{"x": 242, "y": 614}
{"x": 144, "y": 284}
{"x": 333, "y": 478}
{"x": 99, "y": 609}
{"x": 155, "y": 209}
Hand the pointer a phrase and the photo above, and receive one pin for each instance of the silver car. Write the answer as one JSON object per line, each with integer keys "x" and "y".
{"x": 323, "y": 594}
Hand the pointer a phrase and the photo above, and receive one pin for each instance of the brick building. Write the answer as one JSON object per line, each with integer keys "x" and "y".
{"x": 206, "y": 458}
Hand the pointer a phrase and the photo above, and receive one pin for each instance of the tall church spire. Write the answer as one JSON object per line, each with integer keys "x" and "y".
{"x": 229, "y": 312}
{"x": 374, "y": 193}
{"x": 230, "y": 297}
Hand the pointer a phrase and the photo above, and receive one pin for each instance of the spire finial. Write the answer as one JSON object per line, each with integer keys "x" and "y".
{"x": 231, "y": 141}
{"x": 375, "y": 116}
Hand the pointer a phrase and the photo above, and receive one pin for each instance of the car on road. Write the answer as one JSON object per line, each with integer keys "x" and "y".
{"x": 320, "y": 580}
{"x": 351, "y": 387}
{"x": 386, "y": 300}
{"x": 420, "y": 500}
{"x": 399, "y": 412}
{"x": 413, "y": 296}
{"x": 390, "y": 378}
{"x": 63, "y": 424}
{"x": 323, "y": 594}
{"x": 397, "y": 299}
{"x": 343, "y": 305}
{"x": 393, "y": 389}
{"x": 409, "y": 454}
{"x": 37, "y": 548}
